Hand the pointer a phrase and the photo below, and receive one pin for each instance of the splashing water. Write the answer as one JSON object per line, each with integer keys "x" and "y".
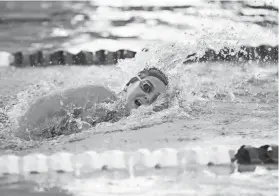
{"x": 191, "y": 86}
{"x": 208, "y": 103}
{"x": 192, "y": 89}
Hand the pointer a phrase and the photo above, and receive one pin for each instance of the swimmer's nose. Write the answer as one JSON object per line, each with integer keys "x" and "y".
{"x": 148, "y": 99}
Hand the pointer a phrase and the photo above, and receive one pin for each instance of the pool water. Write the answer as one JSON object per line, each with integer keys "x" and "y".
{"x": 210, "y": 104}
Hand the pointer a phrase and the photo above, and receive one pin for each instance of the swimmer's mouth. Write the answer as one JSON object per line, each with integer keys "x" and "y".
{"x": 138, "y": 102}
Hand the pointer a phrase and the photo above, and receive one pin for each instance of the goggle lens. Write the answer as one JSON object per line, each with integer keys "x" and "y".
{"x": 146, "y": 86}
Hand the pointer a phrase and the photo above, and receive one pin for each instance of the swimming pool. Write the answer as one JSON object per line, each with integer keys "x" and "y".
{"x": 212, "y": 104}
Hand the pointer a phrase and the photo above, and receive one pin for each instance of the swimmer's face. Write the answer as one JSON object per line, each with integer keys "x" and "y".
{"x": 144, "y": 92}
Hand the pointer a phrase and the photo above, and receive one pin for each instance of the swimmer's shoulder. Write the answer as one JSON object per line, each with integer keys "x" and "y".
{"x": 89, "y": 92}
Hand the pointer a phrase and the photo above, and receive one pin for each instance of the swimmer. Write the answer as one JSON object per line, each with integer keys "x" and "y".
{"x": 81, "y": 108}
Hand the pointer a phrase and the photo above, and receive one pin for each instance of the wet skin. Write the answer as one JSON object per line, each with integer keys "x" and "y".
{"x": 138, "y": 93}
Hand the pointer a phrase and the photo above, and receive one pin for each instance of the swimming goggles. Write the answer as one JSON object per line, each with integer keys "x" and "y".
{"x": 145, "y": 85}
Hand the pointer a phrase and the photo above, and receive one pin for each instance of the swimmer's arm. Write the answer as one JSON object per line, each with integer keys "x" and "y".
{"x": 100, "y": 115}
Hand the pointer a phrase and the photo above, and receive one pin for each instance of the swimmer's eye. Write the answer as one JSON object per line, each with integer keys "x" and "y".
{"x": 137, "y": 102}
{"x": 146, "y": 86}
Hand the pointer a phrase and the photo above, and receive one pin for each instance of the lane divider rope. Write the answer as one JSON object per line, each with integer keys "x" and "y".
{"x": 261, "y": 53}
{"x": 90, "y": 161}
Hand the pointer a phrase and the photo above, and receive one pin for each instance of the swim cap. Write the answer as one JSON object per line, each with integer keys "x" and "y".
{"x": 153, "y": 71}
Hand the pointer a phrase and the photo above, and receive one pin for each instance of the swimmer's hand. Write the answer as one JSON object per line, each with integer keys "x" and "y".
{"x": 80, "y": 119}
